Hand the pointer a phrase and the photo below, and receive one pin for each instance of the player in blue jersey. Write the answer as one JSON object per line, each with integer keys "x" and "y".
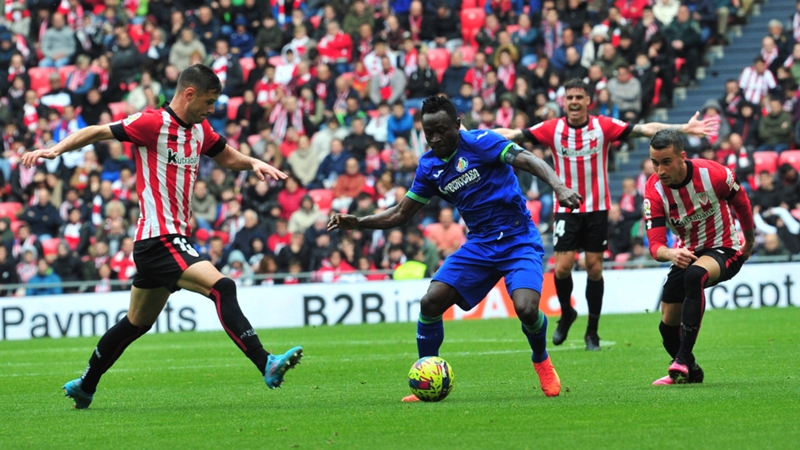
{"x": 473, "y": 171}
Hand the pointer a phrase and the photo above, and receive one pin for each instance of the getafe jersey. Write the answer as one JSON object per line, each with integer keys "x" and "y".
{"x": 479, "y": 183}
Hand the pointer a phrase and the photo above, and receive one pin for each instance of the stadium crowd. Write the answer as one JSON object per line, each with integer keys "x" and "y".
{"x": 329, "y": 91}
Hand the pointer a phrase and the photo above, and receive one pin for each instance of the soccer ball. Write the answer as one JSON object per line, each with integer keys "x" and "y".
{"x": 431, "y": 379}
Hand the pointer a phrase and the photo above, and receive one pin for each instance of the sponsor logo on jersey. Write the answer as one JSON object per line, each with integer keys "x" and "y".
{"x": 696, "y": 217}
{"x": 481, "y": 135}
{"x": 436, "y": 175}
{"x": 130, "y": 119}
{"x": 467, "y": 179}
{"x": 177, "y": 158}
{"x": 462, "y": 164}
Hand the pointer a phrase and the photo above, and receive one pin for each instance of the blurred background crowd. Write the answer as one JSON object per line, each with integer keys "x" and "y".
{"x": 330, "y": 92}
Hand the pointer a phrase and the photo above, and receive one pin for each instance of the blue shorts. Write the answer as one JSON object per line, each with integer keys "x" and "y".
{"x": 475, "y": 268}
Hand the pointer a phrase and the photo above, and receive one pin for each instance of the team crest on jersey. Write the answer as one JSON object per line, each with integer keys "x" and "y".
{"x": 702, "y": 197}
{"x": 462, "y": 164}
{"x": 130, "y": 119}
{"x": 647, "y": 213}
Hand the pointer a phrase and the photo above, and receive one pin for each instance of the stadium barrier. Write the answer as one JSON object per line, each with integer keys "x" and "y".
{"x": 628, "y": 291}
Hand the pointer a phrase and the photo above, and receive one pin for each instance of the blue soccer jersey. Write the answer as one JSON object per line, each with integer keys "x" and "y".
{"x": 477, "y": 181}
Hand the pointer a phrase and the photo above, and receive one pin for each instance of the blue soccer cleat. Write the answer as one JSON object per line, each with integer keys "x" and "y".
{"x": 74, "y": 391}
{"x": 278, "y": 365}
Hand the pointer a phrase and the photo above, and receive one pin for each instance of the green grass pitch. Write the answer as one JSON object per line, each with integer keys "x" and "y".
{"x": 196, "y": 390}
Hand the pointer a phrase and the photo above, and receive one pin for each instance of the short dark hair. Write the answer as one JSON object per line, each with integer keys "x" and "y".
{"x": 437, "y": 103}
{"x": 666, "y": 139}
{"x": 201, "y": 78}
{"x": 576, "y": 83}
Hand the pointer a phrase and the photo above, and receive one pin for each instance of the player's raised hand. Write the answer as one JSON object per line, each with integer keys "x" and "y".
{"x": 682, "y": 258}
{"x": 264, "y": 170}
{"x": 697, "y": 127}
{"x": 31, "y": 158}
{"x": 343, "y": 222}
{"x": 568, "y": 198}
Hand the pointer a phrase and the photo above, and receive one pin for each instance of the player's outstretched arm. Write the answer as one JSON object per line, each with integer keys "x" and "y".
{"x": 230, "y": 158}
{"x": 74, "y": 141}
{"x": 527, "y": 161}
{"x": 392, "y": 217}
{"x": 694, "y": 127}
{"x": 511, "y": 135}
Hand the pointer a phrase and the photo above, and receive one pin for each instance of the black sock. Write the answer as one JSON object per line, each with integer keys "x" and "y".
{"x": 694, "y": 281}
{"x": 671, "y": 338}
{"x": 594, "y": 297}
{"x": 223, "y": 294}
{"x": 564, "y": 292}
{"x": 108, "y": 350}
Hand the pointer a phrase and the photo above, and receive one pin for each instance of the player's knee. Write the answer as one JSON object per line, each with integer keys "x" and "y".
{"x": 694, "y": 278}
{"x": 527, "y": 312}
{"x": 225, "y": 288}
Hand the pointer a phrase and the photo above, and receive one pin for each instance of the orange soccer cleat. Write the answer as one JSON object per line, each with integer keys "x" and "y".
{"x": 548, "y": 378}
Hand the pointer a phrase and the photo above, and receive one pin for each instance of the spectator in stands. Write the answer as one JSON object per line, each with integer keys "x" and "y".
{"x": 125, "y": 61}
{"x": 394, "y": 33}
{"x": 646, "y": 172}
{"x": 336, "y": 48}
{"x": 207, "y": 28}
{"x": 57, "y": 96}
{"x": 43, "y": 217}
{"x": 442, "y": 29}
{"x": 644, "y": 29}
{"x": 768, "y": 195}
{"x": 76, "y": 232}
{"x": 746, "y": 123}
{"x": 666, "y": 10}
{"x": 594, "y": 49}
{"x": 303, "y": 218}
{"x": 400, "y": 123}
{"x": 605, "y": 106}
{"x": 487, "y": 35}
{"x": 44, "y": 276}
{"x": 280, "y": 238}
{"x": 251, "y": 230}
{"x": 573, "y": 68}
{"x": 180, "y": 54}
{"x": 348, "y": 185}
{"x": 447, "y": 235}
{"x": 626, "y": 93}
{"x": 289, "y": 198}
{"x": 296, "y": 253}
{"x": 575, "y": 14}
{"x": 389, "y": 85}
{"x": 359, "y": 14}
{"x": 756, "y": 81}
{"x": 780, "y": 38}
{"x": 27, "y": 267}
{"x": 357, "y": 142}
{"x": 58, "y": 43}
{"x": 789, "y": 182}
{"x": 683, "y": 35}
{"x": 559, "y": 58}
{"x": 8, "y": 271}
{"x": 775, "y": 129}
{"x": 304, "y": 161}
{"x": 332, "y": 166}
{"x": 525, "y": 39}
{"x": 421, "y": 84}
{"x": 67, "y": 266}
{"x": 773, "y": 247}
{"x": 455, "y": 74}
{"x": 771, "y": 54}
{"x": 378, "y": 124}
{"x": 741, "y": 161}
{"x": 619, "y": 231}
{"x": 216, "y": 252}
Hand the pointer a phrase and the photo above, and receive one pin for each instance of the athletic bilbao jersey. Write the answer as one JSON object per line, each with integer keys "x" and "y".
{"x": 477, "y": 181}
{"x": 167, "y": 157}
{"x": 698, "y": 210}
{"x": 580, "y": 155}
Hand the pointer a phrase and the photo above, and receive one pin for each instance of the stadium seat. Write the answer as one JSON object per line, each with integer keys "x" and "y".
{"x": 620, "y": 259}
{"x": 222, "y": 235}
{"x": 15, "y": 224}
{"x": 65, "y": 72}
{"x": 322, "y": 198}
{"x": 790, "y": 157}
{"x": 252, "y": 139}
{"x": 512, "y": 29}
{"x": 438, "y": 59}
{"x": 50, "y": 246}
{"x": 373, "y": 113}
{"x": 469, "y": 4}
{"x": 535, "y": 207}
{"x": 468, "y": 52}
{"x": 118, "y": 110}
{"x": 765, "y": 161}
{"x": 276, "y": 60}
{"x": 472, "y": 20}
{"x": 247, "y": 65}
{"x": 233, "y": 107}
{"x": 10, "y": 209}
{"x": 40, "y": 77}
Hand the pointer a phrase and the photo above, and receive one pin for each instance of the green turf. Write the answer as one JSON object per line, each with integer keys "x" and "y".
{"x": 195, "y": 390}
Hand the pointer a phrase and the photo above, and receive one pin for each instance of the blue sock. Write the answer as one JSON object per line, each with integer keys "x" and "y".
{"x": 430, "y": 335}
{"x": 537, "y": 337}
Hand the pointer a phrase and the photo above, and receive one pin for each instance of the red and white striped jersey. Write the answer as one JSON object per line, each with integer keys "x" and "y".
{"x": 698, "y": 210}
{"x": 167, "y": 155}
{"x": 581, "y": 156}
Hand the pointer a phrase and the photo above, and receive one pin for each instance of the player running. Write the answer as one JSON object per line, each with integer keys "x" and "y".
{"x": 169, "y": 143}
{"x": 580, "y": 144}
{"x": 472, "y": 170}
{"x": 694, "y": 199}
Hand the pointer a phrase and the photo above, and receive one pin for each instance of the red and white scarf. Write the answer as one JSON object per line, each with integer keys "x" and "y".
{"x": 307, "y": 106}
{"x": 300, "y": 46}
{"x": 280, "y": 117}
{"x": 220, "y": 67}
{"x": 77, "y": 79}
{"x": 796, "y": 26}
{"x": 13, "y": 15}
{"x": 385, "y": 83}
{"x": 74, "y": 17}
{"x": 769, "y": 56}
{"x": 650, "y": 31}
{"x": 321, "y": 90}
{"x": 504, "y": 117}
{"x": 102, "y": 74}
{"x": 30, "y": 116}
{"x": 364, "y": 47}
{"x": 281, "y": 5}
{"x": 507, "y": 74}
{"x": 415, "y": 22}
{"x": 341, "y": 100}
{"x": 12, "y": 72}
{"x": 72, "y": 234}
{"x": 410, "y": 62}
{"x": 552, "y": 37}
{"x": 479, "y": 79}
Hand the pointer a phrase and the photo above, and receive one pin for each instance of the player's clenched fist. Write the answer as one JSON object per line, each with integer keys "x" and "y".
{"x": 343, "y": 222}
{"x": 29, "y": 159}
{"x": 568, "y": 198}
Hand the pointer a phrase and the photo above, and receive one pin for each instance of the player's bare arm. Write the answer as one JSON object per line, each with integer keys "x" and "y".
{"x": 681, "y": 257}
{"x": 74, "y": 141}
{"x": 511, "y": 135}
{"x": 230, "y": 158}
{"x": 694, "y": 127}
{"x": 749, "y": 240}
{"x": 392, "y": 217}
{"x": 528, "y": 162}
